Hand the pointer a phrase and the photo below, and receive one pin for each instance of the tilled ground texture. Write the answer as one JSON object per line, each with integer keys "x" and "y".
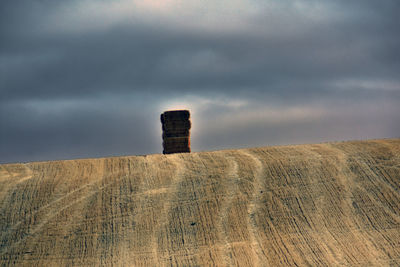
{"x": 324, "y": 204}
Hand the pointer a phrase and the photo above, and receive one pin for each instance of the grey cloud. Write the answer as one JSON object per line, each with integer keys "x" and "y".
{"x": 284, "y": 57}
{"x": 131, "y": 58}
{"x": 76, "y": 129}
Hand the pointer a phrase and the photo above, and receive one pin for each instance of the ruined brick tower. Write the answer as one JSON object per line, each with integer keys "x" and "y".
{"x": 176, "y": 131}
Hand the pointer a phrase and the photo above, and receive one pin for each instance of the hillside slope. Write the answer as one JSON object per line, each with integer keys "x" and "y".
{"x": 323, "y": 204}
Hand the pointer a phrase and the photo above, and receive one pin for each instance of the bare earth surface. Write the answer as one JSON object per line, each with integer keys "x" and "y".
{"x": 324, "y": 204}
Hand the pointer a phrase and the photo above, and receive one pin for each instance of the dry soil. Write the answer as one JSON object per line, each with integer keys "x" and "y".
{"x": 324, "y": 204}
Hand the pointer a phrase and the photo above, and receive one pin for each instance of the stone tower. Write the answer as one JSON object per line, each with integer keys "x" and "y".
{"x": 176, "y": 131}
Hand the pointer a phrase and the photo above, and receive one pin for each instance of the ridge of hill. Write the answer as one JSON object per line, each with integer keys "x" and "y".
{"x": 320, "y": 204}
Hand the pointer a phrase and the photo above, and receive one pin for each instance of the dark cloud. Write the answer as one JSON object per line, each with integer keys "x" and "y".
{"x": 41, "y": 130}
{"x": 74, "y": 84}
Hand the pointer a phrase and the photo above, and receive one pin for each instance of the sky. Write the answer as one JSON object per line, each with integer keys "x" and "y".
{"x": 90, "y": 78}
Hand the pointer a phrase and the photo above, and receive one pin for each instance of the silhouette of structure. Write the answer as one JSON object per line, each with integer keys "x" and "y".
{"x": 176, "y": 131}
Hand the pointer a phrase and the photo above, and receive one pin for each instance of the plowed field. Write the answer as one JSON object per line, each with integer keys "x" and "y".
{"x": 322, "y": 204}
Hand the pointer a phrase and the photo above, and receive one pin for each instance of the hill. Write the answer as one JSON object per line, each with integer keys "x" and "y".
{"x": 322, "y": 204}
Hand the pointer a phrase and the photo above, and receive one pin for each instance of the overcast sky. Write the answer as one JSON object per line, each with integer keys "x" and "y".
{"x": 89, "y": 78}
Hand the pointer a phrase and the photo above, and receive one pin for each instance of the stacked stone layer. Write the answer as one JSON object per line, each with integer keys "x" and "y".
{"x": 176, "y": 131}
